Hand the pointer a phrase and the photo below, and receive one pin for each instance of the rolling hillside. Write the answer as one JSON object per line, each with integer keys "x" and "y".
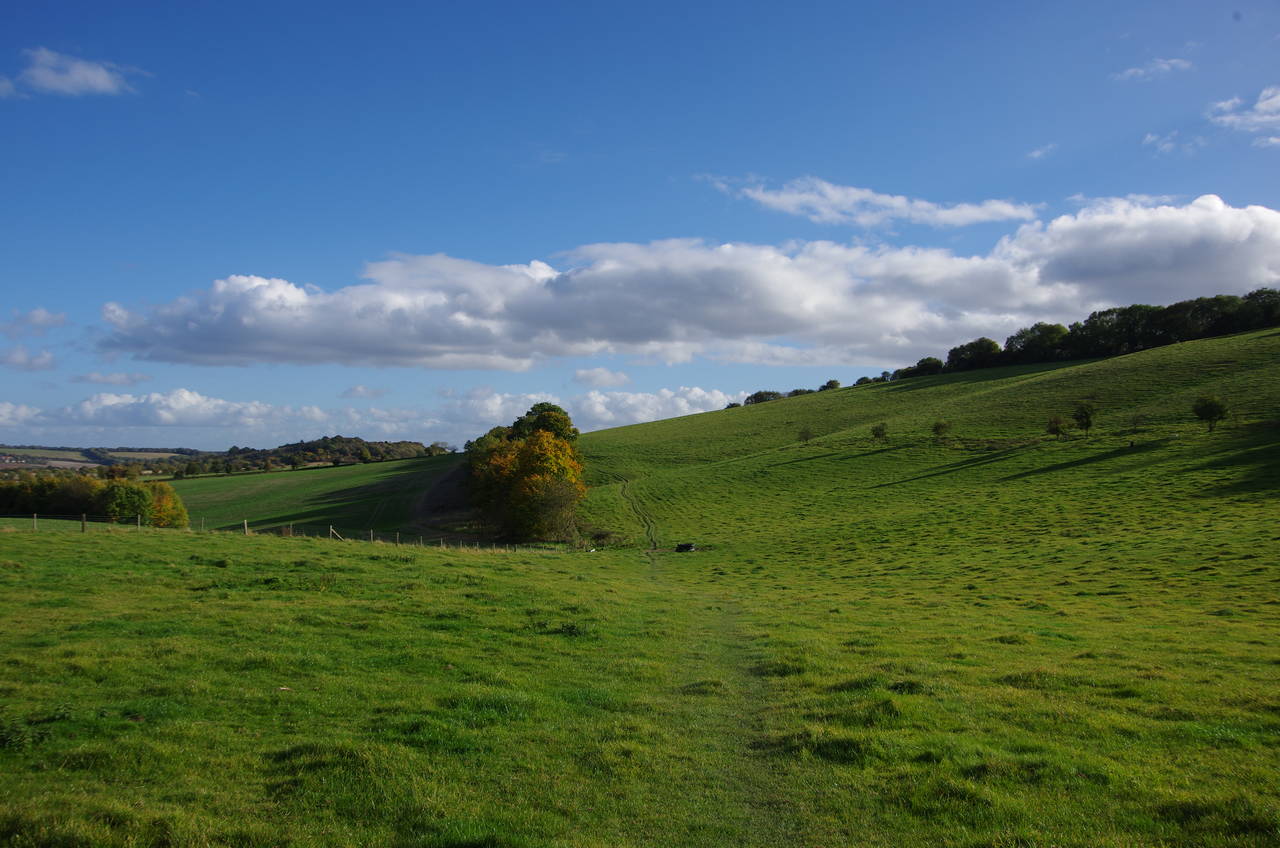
{"x": 992, "y": 639}
{"x": 374, "y": 496}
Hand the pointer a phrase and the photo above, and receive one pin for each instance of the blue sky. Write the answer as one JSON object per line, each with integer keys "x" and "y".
{"x": 231, "y": 223}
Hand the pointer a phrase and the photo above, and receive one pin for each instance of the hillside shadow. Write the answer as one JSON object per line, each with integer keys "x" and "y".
{"x": 980, "y": 375}
{"x": 804, "y": 459}
{"x": 962, "y": 465}
{"x": 1255, "y": 455}
{"x": 336, "y": 507}
{"x": 1117, "y": 453}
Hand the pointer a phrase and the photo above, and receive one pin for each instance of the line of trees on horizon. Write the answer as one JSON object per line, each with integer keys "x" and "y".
{"x": 1110, "y": 332}
{"x": 1105, "y": 333}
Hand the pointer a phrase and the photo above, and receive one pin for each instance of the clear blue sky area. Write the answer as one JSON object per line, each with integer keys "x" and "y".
{"x": 254, "y": 223}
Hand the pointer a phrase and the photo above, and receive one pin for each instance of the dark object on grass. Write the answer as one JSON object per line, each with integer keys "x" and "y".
{"x": 685, "y": 547}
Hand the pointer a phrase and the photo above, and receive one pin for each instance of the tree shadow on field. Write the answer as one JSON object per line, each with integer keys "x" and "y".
{"x": 1117, "y": 453}
{"x": 979, "y": 375}
{"x": 1254, "y": 453}
{"x": 361, "y": 506}
{"x": 962, "y": 465}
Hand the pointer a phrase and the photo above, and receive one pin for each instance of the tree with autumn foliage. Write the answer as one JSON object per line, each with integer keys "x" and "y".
{"x": 527, "y": 478}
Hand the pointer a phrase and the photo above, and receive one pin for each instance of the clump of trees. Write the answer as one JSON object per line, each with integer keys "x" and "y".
{"x": 1107, "y": 332}
{"x": 155, "y": 503}
{"x": 526, "y": 479}
{"x": 1210, "y": 409}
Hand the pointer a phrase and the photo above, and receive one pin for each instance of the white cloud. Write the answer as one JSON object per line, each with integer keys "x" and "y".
{"x": 1171, "y": 143}
{"x": 600, "y": 377}
{"x": 35, "y": 322}
{"x": 827, "y": 203}
{"x": 20, "y": 358}
{"x": 363, "y": 392}
{"x": 1153, "y": 69}
{"x": 674, "y": 300}
{"x": 115, "y": 378}
{"x": 16, "y": 414}
{"x": 597, "y": 410}
{"x": 7, "y": 88}
{"x": 1267, "y": 141}
{"x": 1264, "y": 114}
{"x": 48, "y": 72}
{"x": 1042, "y": 152}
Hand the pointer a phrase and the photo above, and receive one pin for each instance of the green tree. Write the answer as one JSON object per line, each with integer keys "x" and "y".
{"x": 805, "y": 435}
{"x": 829, "y": 385}
{"x": 1210, "y": 409}
{"x": 880, "y": 431}
{"x": 1057, "y": 426}
{"x": 1083, "y": 415}
{"x": 122, "y": 500}
{"x": 941, "y": 429}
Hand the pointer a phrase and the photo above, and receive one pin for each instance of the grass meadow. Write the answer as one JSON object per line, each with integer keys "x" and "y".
{"x": 992, "y": 639}
{"x": 372, "y": 496}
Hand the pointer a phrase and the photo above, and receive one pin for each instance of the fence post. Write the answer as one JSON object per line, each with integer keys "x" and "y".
{"x": 138, "y": 521}
{"x": 246, "y": 527}
{"x": 84, "y": 523}
{"x": 202, "y": 524}
{"x": 397, "y": 538}
{"x": 370, "y": 534}
{"x": 35, "y": 522}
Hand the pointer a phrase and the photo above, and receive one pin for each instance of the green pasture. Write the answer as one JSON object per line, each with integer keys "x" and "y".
{"x": 373, "y": 496}
{"x": 43, "y": 453}
{"x": 142, "y": 454}
{"x": 992, "y": 639}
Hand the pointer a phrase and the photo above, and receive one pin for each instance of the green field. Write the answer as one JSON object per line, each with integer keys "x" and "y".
{"x": 992, "y": 639}
{"x": 142, "y": 454}
{"x": 47, "y": 453}
{"x": 375, "y": 496}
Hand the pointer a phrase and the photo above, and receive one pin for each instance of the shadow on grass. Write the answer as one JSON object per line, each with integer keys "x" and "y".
{"x": 980, "y": 375}
{"x": 1254, "y": 453}
{"x": 361, "y": 506}
{"x": 1117, "y": 453}
{"x": 962, "y": 465}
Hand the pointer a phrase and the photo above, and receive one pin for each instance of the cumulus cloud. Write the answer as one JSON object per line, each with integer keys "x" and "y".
{"x": 115, "y": 378}
{"x": 7, "y": 88}
{"x": 34, "y": 323}
{"x": 674, "y": 300}
{"x": 48, "y": 72}
{"x": 20, "y": 358}
{"x": 600, "y": 377}
{"x": 1267, "y": 141}
{"x": 597, "y": 410}
{"x": 1264, "y": 114}
{"x": 1042, "y": 152}
{"x": 196, "y": 419}
{"x": 16, "y": 414}
{"x": 363, "y": 392}
{"x": 827, "y": 203}
{"x": 1152, "y": 70}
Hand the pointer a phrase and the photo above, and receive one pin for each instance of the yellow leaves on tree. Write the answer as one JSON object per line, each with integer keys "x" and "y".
{"x": 529, "y": 485}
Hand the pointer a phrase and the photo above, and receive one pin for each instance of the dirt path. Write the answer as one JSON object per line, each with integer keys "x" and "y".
{"x": 720, "y": 712}
{"x": 650, "y": 528}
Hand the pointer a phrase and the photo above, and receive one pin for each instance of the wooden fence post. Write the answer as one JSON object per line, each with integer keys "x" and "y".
{"x": 138, "y": 522}
{"x": 84, "y": 523}
{"x": 246, "y": 527}
{"x": 35, "y": 522}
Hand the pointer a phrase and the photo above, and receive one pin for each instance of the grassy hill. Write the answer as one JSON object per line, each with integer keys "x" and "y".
{"x": 374, "y": 496}
{"x": 997, "y": 639}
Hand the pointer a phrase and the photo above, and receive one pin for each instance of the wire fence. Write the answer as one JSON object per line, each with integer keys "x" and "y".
{"x": 42, "y": 523}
